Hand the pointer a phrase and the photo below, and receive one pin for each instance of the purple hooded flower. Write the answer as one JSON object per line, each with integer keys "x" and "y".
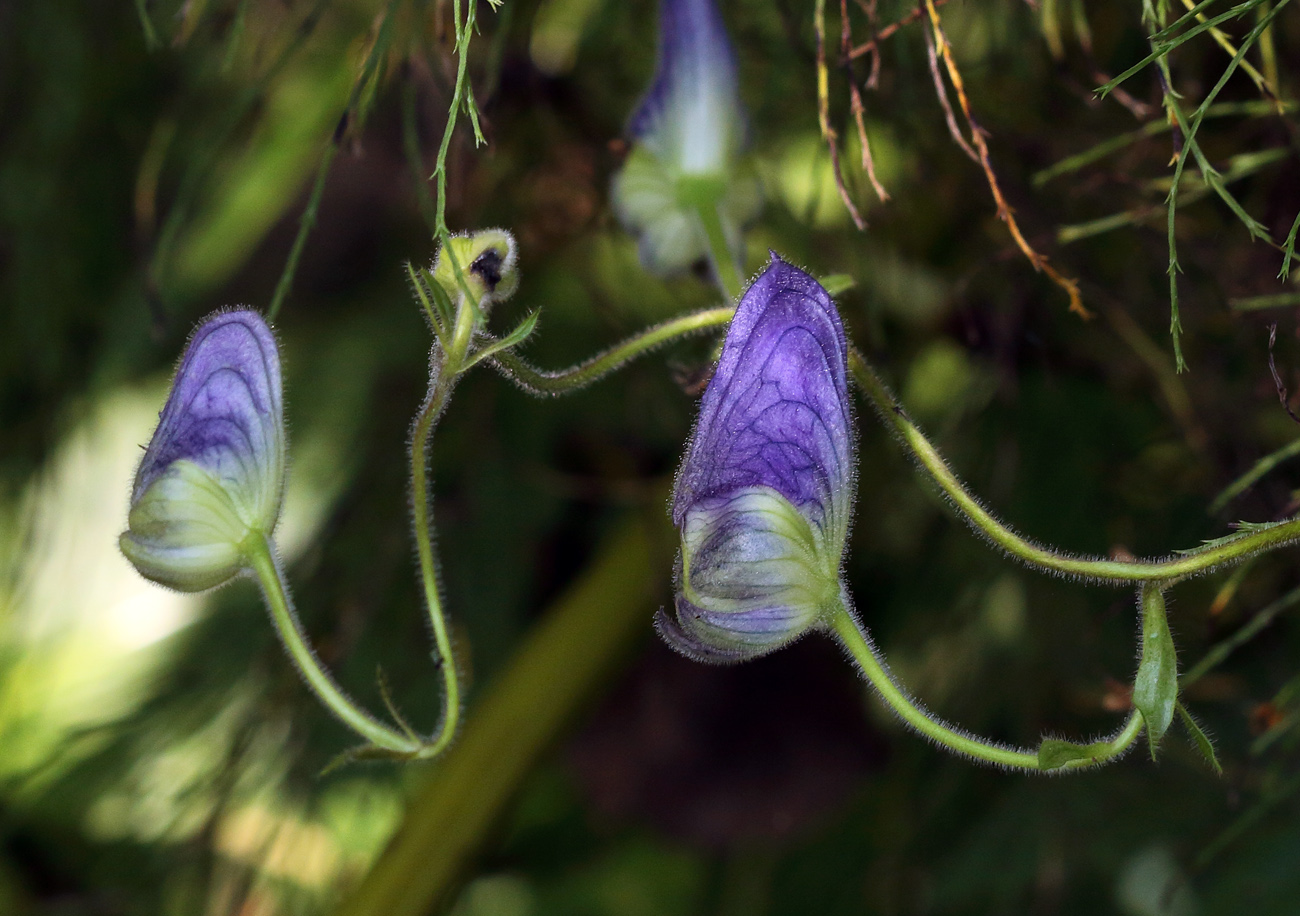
{"x": 687, "y": 135}
{"x": 765, "y": 493}
{"x": 213, "y": 473}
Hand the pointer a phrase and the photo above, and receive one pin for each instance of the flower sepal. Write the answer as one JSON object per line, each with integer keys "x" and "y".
{"x": 754, "y": 576}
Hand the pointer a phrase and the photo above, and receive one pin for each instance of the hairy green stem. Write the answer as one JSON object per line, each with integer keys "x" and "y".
{"x": 1112, "y": 572}
{"x": 422, "y": 525}
{"x": 265, "y": 565}
{"x": 542, "y": 382}
{"x": 855, "y": 640}
{"x": 575, "y": 645}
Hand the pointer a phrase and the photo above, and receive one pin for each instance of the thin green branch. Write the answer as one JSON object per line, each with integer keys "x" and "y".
{"x": 1225, "y": 551}
{"x": 146, "y": 25}
{"x": 265, "y": 565}
{"x": 856, "y": 641}
{"x": 1251, "y": 477}
{"x": 440, "y": 386}
{"x": 355, "y": 110}
{"x": 542, "y": 382}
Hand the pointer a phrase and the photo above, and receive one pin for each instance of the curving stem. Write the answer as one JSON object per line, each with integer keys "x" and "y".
{"x": 262, "y": 559}
{"x": 855, "y": 640}
{"x": 440, "y": 386}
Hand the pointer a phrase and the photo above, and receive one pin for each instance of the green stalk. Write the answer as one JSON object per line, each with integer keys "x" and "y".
{"x": 422, "y": 525}
{"x": 542, "y": 382}
{"x": 855, "y": 640}
{"x": 577, "y": 643}
{"x": 262, "y": 559}
{"x": 730, "y": 277}
{"x": 1110, "y": 572}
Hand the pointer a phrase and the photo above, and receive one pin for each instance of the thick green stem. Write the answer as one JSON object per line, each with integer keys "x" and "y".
{"x": 261, "y": 557}
{"x": 422, "y": 525}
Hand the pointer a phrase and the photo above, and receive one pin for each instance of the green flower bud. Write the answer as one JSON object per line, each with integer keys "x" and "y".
{"x": 489, "y": 264}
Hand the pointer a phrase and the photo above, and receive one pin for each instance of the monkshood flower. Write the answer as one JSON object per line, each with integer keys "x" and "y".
{"x": 764, "y": 495}
{"x": 213, "y": 473}
{"x": 687, "y": 136}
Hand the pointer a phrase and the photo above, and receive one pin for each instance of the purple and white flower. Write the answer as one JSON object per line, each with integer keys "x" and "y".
{"x": 687, "y": 134}
{"x": 213, "y": 473}
{"x": 765, "y": 493}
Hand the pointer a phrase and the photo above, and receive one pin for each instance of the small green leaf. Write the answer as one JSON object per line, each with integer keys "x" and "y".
{"x": 1155, "y": 690}
{"x": 392, "y": 707}
{"x": 514, "y": 338}
{"x": 1055, "y": 754}
{"x": 834, "y": 284}
{"x": 1200, "y": 739}
{"x": 441, "y": 300}
{"x": 422, "y": 293}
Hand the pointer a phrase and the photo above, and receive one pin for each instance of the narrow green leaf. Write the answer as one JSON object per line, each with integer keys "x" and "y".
{"x": 1200, "y": 739}
{"x": 1155, "y": 690}
{"x": 392, "y": 707}
{"x": 441, "y": 299}
{"x": 1288, "y": 249}
{"x": 515, "y": 337}
{"x": 430, "y": 311}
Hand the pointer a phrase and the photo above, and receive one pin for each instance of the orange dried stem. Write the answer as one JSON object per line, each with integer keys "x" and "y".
{"x": 857, "y": 107}
{"x": 824, "y": 115}
{"x": 1005, "y": 213}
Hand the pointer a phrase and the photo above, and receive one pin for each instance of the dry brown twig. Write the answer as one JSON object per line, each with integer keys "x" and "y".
{"x": 824, "y": 116}
{"x": 977, "y": 141}
{"x": 872, "y": 45}
{"x": 855, "y": 97}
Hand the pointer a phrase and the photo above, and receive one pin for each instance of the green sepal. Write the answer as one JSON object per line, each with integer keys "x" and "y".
{"x": 1155, "y": 689}
{"x": 1055, "y": 754}
{"x": 521, "y": 333}
{"x": 1199, "y": 738}
{"x": 433, "y": 299}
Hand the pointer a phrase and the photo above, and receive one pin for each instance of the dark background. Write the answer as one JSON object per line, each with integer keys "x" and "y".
{"x": 178, "y": 769}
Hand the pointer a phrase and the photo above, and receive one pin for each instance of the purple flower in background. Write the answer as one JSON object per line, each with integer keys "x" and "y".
{"x": 213, "y": 473}
{"x": 687, "y": 133}
{"x": 691, "y": 117}
{"x": 765, "y": 493}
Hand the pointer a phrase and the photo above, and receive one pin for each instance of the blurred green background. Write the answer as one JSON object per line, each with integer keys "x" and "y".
{"x": 158, "y": 754}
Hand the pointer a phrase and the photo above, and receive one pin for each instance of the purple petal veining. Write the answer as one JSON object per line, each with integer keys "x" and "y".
{"x": 764, "y": 494}
{"x": 214, "y": 469}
